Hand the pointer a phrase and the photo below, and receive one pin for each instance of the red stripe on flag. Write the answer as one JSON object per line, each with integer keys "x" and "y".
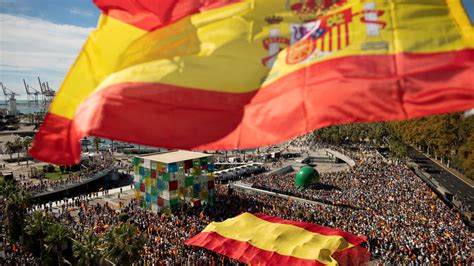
{"x": 53, "y": 141}
{"x": 347, "y": 33}
{"x": 339, "y": 91}
{"x": 352, "y": 256}
{"x": 327, "y": 231}
{"x": 243, "y": 251}
{"x": 152, "y": 14}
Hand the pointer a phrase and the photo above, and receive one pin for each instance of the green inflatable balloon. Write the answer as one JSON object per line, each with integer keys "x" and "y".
{"x": 306, "y": 176}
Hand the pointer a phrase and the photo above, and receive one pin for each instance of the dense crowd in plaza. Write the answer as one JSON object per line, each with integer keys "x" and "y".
{"x": 166, "y": 233}
{"x": 403, "y": 219}
{"x": 329, "y": 189}
{"x": 386, "y": 201}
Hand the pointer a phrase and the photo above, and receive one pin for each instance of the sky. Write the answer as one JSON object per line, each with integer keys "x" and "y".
{"x": 469, "y": 7}
{"x": 41, "y": 38}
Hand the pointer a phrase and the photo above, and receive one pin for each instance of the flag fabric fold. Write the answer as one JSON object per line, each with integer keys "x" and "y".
{"x": 222, "y": 74}
{"x": 267, "y": 240}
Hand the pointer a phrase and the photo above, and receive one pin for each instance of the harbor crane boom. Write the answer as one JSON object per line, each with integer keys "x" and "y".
{"x": 31, "y": 94}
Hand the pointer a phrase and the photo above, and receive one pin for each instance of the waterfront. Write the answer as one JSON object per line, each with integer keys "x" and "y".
{"x": 23, "y": 107}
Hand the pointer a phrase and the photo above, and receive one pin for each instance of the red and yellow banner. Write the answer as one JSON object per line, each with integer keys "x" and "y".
{"x": 267, "y": 240}
{"x": 221, "y": 74}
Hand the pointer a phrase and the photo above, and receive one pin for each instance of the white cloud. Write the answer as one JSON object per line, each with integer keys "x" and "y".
{"x": 35, "y": 45}
{"x": 27, "y": 42}
{"x": 80, "y": 12}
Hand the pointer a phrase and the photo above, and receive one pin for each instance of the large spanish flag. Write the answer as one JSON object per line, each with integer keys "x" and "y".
{"x": 267, "y": 240}
{"x": 221, "y": 74}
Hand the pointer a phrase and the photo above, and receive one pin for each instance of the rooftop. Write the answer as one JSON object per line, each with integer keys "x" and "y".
{"x": 175, "y": 156}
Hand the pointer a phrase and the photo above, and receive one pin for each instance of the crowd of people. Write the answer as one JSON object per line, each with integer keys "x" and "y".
{"x": 405, "y": 222}
{"x": 43, "y": 185}
{"x": 165, "y": 233}
{"x": 385, "y": 200}
{"x": 38, "y": 183}
{"x": 328, "y": 190}
{"x": 403, "y": 219}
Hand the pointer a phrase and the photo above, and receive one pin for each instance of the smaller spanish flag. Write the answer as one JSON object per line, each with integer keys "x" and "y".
{"x": 267, "y": 240}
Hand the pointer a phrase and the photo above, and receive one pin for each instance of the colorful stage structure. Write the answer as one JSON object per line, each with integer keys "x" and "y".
{"x": 166, "y": 179}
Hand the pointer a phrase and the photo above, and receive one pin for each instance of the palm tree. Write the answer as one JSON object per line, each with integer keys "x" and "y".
{"x": 10, "y": 146}
{"x": 7, "y": 187}
{"x": 18, "y": 147}
{"x": 56, "y": 239}
{"x": 17, "y": 204}
{"x": 122, "y": 244}
{"x": 37, "y": 228}
{"x": 26, "y": 142}
{"x": 87, "y": 250}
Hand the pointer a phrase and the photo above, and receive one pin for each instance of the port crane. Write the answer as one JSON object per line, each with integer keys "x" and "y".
{"x": 31, "y": 94}
{"x": 47, "y": 92}
{"x": 9, "y": 94}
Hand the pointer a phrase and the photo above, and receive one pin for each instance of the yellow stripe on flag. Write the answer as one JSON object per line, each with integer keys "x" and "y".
{"x": 285, "y": 239}
{"x": 196, "y": 51}
{"x": 100, "y": 56}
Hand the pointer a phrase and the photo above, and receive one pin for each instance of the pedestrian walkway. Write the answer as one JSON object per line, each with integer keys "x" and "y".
{"x": 111, "y": 196}
{"x": 249, "y": 188}
{"x": 67, "y": 186}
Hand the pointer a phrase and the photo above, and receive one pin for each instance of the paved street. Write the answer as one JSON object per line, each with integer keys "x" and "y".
{"x": 455, "y": 185}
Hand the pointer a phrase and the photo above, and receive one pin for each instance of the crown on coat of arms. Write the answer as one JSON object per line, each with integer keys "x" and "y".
{"x": 274, "y": 19}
